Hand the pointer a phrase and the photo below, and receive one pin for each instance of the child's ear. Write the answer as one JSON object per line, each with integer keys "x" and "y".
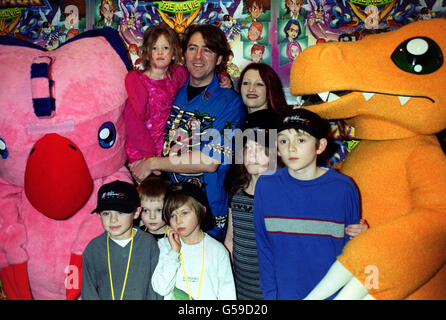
{"x": 322, "y": 145}
{"x": 137, "y": 213}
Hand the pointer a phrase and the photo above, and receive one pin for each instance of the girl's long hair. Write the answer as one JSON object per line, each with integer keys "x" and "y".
{"x": 151, "y": 35}
{"x": 238, "y": 178}
{"x": 274, "y": 89}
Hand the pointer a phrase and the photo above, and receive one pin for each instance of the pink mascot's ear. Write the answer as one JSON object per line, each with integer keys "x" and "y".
{"x": 57, "y": 179}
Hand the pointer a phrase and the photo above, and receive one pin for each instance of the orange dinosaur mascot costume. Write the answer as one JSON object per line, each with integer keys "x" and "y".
{"x": 391, "y": 88}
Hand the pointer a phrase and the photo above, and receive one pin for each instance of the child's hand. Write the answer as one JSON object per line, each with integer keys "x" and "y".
{"x": 354, "y": 229}
{"x": 225, "y": 81}
{"x": 174, "y": 240}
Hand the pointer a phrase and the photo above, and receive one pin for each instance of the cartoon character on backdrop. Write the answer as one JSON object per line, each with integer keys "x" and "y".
{"x": 232, "y": 69}
{"x": 71, "y": 34}
{"x": 318, "y": 20}
{"x": 257, "y": 52}
{"x": 371, "y": 16}
{"x": 342, "y": 18}
{"x": 107, "y": 10}
{"x": 292, "y": 31}
{"x": 258, "y": 10}
{"x": 255, "y": 32}
{"x": 400, "y": 17}
{"x": 51, "y": 33}
{"x": 179, "y": 23}
{"x": 231, "y": 26}
{"x": 130, "y": 26}
{"x": 292, "y": 50}
{"x": 426, "y": 13}
{"x": 61, "y": 137}
{"x": 27, "y": 29}
{"x": 398, "y": 166}
{"x": 293, "y": 9}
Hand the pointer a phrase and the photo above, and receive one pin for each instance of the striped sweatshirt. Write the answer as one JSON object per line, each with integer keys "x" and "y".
{"x": 299, "y": 228}
{"x": 246, "y": 266}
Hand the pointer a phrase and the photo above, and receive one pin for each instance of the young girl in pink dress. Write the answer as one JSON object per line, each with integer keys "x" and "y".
{"x": 152, "y": 92}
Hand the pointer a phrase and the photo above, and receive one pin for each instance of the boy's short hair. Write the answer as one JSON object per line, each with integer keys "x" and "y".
{"x": 118, "y": 196}
{"x": 305, "y": 120}
{"x": 153, "y": 188}
{"x": 180, "y": 194}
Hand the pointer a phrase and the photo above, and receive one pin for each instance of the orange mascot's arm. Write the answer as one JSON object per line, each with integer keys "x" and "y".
{"x": 406, "y": 251}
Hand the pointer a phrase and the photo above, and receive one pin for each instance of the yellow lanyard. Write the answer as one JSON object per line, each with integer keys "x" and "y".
{"x": 201, "y": 275}
{"x": 109, "y": 267}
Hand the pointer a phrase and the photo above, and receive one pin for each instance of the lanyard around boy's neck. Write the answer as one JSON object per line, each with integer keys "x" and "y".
{"x": 201, "y": 275}
{"x": 109, "y": 267}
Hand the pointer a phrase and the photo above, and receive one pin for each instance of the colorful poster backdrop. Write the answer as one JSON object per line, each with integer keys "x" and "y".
{"x": 277, "y": 30}
{"x": 291, "y": 38}
{"x": 43, "y": 22}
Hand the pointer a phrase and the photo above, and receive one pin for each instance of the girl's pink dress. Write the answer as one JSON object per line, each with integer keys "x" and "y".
{"x": 147, "y": 110}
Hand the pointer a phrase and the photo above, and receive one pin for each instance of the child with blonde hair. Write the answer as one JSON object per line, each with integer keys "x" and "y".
{"x": 151, "y": 192}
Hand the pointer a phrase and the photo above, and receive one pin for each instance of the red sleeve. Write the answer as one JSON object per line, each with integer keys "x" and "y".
{"x": 135, "y": 114}
{"x": 137, "y": 95}
{"x": 73, "y": 290}
{"x": 15, "y": 282}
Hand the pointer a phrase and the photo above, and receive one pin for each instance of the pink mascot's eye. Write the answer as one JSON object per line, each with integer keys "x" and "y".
{"x": 3, "y": 150}
{"x": 107, "y": 135}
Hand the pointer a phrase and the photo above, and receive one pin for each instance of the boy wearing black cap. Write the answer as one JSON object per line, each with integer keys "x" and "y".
{"x": 301, "y": 210}
{"x": 119, "y": 263}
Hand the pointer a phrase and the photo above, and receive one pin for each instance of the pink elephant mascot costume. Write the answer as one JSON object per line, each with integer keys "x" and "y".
{"x": 62, "y": 136}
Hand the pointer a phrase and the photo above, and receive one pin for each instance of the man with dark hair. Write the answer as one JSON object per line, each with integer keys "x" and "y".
{"x": 195, "y": 148}
{"x": 214, "y": 40}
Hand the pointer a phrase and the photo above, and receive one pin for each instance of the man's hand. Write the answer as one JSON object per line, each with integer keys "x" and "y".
{"x": 142, "y": 168}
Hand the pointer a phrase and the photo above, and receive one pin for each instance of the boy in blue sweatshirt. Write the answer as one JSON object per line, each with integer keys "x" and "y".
{"x": 301, "y": 210}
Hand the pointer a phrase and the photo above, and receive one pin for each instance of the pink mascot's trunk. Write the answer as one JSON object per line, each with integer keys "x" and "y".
{"x": 57, "y": 179}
